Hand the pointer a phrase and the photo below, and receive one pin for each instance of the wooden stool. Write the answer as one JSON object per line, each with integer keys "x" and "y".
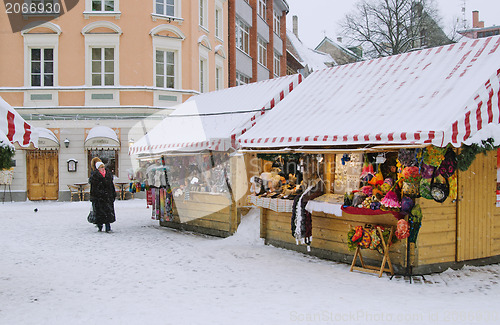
{"x": 385, "y": 259}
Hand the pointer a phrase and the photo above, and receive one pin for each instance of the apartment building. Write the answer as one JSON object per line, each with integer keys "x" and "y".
{"x": 257, "y": 40}
{"x": 93, "y": 74}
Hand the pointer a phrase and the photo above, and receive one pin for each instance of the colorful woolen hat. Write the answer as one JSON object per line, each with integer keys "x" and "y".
{"x": 403, "y": 229}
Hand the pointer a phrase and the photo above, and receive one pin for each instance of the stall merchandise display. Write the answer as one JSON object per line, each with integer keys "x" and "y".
{"x": 367, "y": 237}
{"x": 428, "y": 173}
{"x": 301, "y": 218}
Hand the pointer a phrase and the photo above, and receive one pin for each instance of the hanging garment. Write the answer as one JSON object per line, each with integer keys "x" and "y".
{"x": 301, "y": 218}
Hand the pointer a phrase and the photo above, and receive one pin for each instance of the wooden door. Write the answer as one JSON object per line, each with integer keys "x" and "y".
{"x": 476, "y": 208}
{"x": 42, "y": 174}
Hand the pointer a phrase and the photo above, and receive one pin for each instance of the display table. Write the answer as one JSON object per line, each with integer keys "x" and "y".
{"x": 327, "y": 203}
{"x": 277, "y": 205}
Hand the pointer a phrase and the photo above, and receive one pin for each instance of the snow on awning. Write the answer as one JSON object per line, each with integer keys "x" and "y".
{"x": 102, "y": 137}
{"x": 213, "y": 121}
{"x": 435, "y": 96}
{"x": 4, "y": 141}
{"x": 47, "y": 140}
{"x": 15, "y": 128}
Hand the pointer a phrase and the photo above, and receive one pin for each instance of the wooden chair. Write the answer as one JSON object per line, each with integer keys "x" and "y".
{"x": 118, "y": 190}
{"x": 86, "y": 192}
{"x": 73, "y": 191}
{"x": 122, "y": 195}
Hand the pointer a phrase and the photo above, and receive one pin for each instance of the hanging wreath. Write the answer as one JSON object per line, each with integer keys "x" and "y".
{"x": 469, "y": 153}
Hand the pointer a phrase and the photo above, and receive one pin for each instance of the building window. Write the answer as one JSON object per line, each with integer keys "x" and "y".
{"x": 242, "y": 36}
{"x": 276, "y": 23}
{"x": 423, "y": 38}
{"x": 108, "y": 157}
{"x": 41, "y": 7}
{"x": 42, "y": 67}
{"x": 241, "y": 79}
{"x": 103, "y": 5}
{"x": 219, "y": 78}
{"x": 203, "y": 76}
{"x": 261, "y": 11}
{"x": 277, "y": 59}
{"x": 203, "y": 13}
{"x": 262, "y": 53}
{"x": 218, "y": 23}
{"x": 165, "y": 69}
{"x": 165, "y": 7}
{"x": 103, "y": 66}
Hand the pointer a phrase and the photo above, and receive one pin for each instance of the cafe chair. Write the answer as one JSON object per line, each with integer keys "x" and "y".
{"x": 118, "y": 190}
{"x": 86, "y": 192}
{"x": 73, "y": 191}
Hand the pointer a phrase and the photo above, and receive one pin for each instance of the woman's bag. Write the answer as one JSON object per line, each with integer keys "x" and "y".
{"x": 91, "y": 217}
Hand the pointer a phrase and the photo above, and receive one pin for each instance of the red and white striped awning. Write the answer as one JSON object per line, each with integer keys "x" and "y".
{"x": 15, "y": 128}
{"x": 435, "y": 96}
{"x": 214, "y": 121}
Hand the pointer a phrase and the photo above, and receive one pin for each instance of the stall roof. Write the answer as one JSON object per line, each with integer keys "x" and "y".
{"x": 440, "y": 95}
{"x": 15, "y": 128}
{"x": 213, "y": 121}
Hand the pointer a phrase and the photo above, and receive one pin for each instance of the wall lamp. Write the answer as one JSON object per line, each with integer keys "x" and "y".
{"x": 66, "y": 142}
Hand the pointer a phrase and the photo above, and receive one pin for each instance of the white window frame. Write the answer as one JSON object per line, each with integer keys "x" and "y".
{"x": 242, "y": 36}
{"x": 219, "y": 23}
{"x": 102, "y": 62}
{"x": 38, "y": 40}
{"x": 262, "y": 51}
{"x": 42, "y": 62}
{"x": 54, "y": 9}
{"x": 262, "y": 9}
{"x": 102, "y": 40}
{"x": 89, "y": 12}
{"x": 164, "y": 5}
{"x": 165, "y": 74}
{"x": 219, "y": 68}
{"x": 277, "y": 64}
{"x": 173, "y": 44}
{"x": 276, "y": 23}
{"x": 175, "y": 17}
{"x": 219, "y": 78}
{"x": 203, "y": 14}
{"x": 103, "y": 5}
{"x": 204, "y": 68}
{"x": 241, "y": 79}
{"x": 169, "y": 44}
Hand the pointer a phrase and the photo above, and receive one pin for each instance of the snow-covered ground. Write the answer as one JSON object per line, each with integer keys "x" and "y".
{"x": 55, "y": 268}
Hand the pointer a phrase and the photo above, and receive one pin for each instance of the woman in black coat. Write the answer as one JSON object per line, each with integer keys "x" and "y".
{"x": 102, "y": 195}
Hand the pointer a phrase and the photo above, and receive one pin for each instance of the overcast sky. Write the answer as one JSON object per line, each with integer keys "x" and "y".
{"x": 320, "y": 17}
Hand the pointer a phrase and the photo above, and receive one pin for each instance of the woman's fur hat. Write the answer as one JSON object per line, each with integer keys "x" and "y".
{"x": 93, "y": 162}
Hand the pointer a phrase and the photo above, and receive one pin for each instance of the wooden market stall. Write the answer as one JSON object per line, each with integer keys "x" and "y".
{"x": 201, "y": 181}
{"x": 406, "y": 113}
{"x": 15, "y": 133}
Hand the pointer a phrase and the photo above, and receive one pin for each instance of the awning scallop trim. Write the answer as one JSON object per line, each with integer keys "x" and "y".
{"x": 102, "y": 137}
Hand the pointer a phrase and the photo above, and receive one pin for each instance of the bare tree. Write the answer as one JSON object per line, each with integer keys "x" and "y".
{"x": 389, "y": 27}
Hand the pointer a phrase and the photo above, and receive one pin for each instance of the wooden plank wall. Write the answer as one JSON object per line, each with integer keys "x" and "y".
{"x": 329, "y": 232}
{"x": 476, "y": 213}
{"x": 207, "y": 211}
{"x": 436, "y": 241}
{"x": 495, "y": 223}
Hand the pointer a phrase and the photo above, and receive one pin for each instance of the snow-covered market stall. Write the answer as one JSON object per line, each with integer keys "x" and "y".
{"x": 195, "y": 179}
{"x": 398, "y": 159}
{"x": 15, "y": 133}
